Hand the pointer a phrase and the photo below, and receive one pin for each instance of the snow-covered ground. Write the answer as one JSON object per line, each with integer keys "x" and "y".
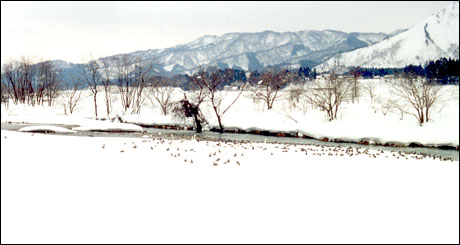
{"x": 363, "y": 120}
{"x": 69, "y": 189}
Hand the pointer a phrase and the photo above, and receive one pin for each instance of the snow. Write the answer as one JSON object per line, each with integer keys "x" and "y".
{"x": 247, "y": 74}
{"x": 110, "y": 126}
{"x": 45, "y": 128}
{"x": 169, "y": 67}
{"x": 69, "y": 189}
{"x": 449, "y": 19}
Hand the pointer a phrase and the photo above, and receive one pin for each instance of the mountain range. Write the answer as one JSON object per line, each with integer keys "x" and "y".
{"x": 250, "y": 51}
{"x": 256, "y": 51}
{"x": 436, "y": 37}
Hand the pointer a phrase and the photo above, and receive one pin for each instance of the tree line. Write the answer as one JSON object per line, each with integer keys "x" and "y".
{"x": 135, "y": 80}
{"x": 443, "y": 71}
{"x": 27, "y": 82}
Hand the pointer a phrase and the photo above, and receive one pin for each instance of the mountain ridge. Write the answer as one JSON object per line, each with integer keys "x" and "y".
{"x": 256, "y": 50}
{"x": 435, "y": 37}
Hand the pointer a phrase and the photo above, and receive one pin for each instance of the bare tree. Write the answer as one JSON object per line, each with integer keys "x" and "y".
{"x": 268, "y": 87}
{"x": 106, "y": 83}
{"x": 20, "y": 75}
{"x": 214, "y": 81}
{"x": 370, "y": 88}
{"x": 123, "y": 70}
{"x": 417, "y": 92}
{"x": 40, "y": 84}
{"x": 354, "y": 86}
{"x": 384, "y": 105}
{"x": 294, "y": 97}
{"x": 161, "y": 91}
{"x": 141, "y": 74}
{"x": 72, "y": 95}
{"x": 91, "y": 73}
{"x": 26, "y": 82}
{"x": 304, "y": 102}
{"x": 10, "y": 78}
{"x": 27, "y": 73}
{"x": 328, "y": 94}
{"x": 50, "y": 80}
{"x": 189, "y": 107}
{"x": 5, "y": 94}
{"x": 132, "y": 74}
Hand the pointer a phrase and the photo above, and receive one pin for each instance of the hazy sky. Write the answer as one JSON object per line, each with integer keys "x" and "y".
{"x": 72, "y": 30}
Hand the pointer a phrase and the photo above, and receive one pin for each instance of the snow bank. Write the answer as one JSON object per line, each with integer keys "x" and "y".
{"x": 44, "y": 128}
{"x": 109, "y": 127}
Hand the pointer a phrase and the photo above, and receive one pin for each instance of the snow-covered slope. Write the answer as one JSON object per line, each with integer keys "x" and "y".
{"x": 436, "y": 37}
{"x": 250, "y": 51}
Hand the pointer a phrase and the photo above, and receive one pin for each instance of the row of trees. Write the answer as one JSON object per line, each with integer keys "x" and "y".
{"x": 25, "y": 81}
{"x": 207, "y": 85}
{"x": 419, "y": 93}
{"x": 373, "y": 72}
{"x": 443, "y": 70}
{"x": 306, "y": 72}
{"x": 326, "y": 94}
{"x": 412, "y": 95}
{"x": 131, "y": 73}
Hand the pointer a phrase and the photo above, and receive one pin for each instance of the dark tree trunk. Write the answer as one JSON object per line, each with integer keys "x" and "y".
{"x": 199, "y": 128}
{"x": 95, "y": 105}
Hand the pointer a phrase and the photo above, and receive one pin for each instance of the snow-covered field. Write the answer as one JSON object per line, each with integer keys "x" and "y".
{"x": 68, "y": 189}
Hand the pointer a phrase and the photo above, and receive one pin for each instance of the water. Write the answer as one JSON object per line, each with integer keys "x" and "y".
{"x": 207, "y": 135}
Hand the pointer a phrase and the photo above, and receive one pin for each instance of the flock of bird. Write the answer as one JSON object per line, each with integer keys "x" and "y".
{"x": 226, "y": 152}
{"x": 219, "y": 153}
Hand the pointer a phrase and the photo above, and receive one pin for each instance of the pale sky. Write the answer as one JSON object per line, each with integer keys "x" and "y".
{"x": 72, "y": 31}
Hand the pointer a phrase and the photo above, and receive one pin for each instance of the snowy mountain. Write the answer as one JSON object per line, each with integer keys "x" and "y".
{"x": 436, "y": 37}
{"x": 247, "y": 51}
{"x": 251, "y": 51}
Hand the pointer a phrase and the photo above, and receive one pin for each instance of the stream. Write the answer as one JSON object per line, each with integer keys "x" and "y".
{"x": 240, "y": 137}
